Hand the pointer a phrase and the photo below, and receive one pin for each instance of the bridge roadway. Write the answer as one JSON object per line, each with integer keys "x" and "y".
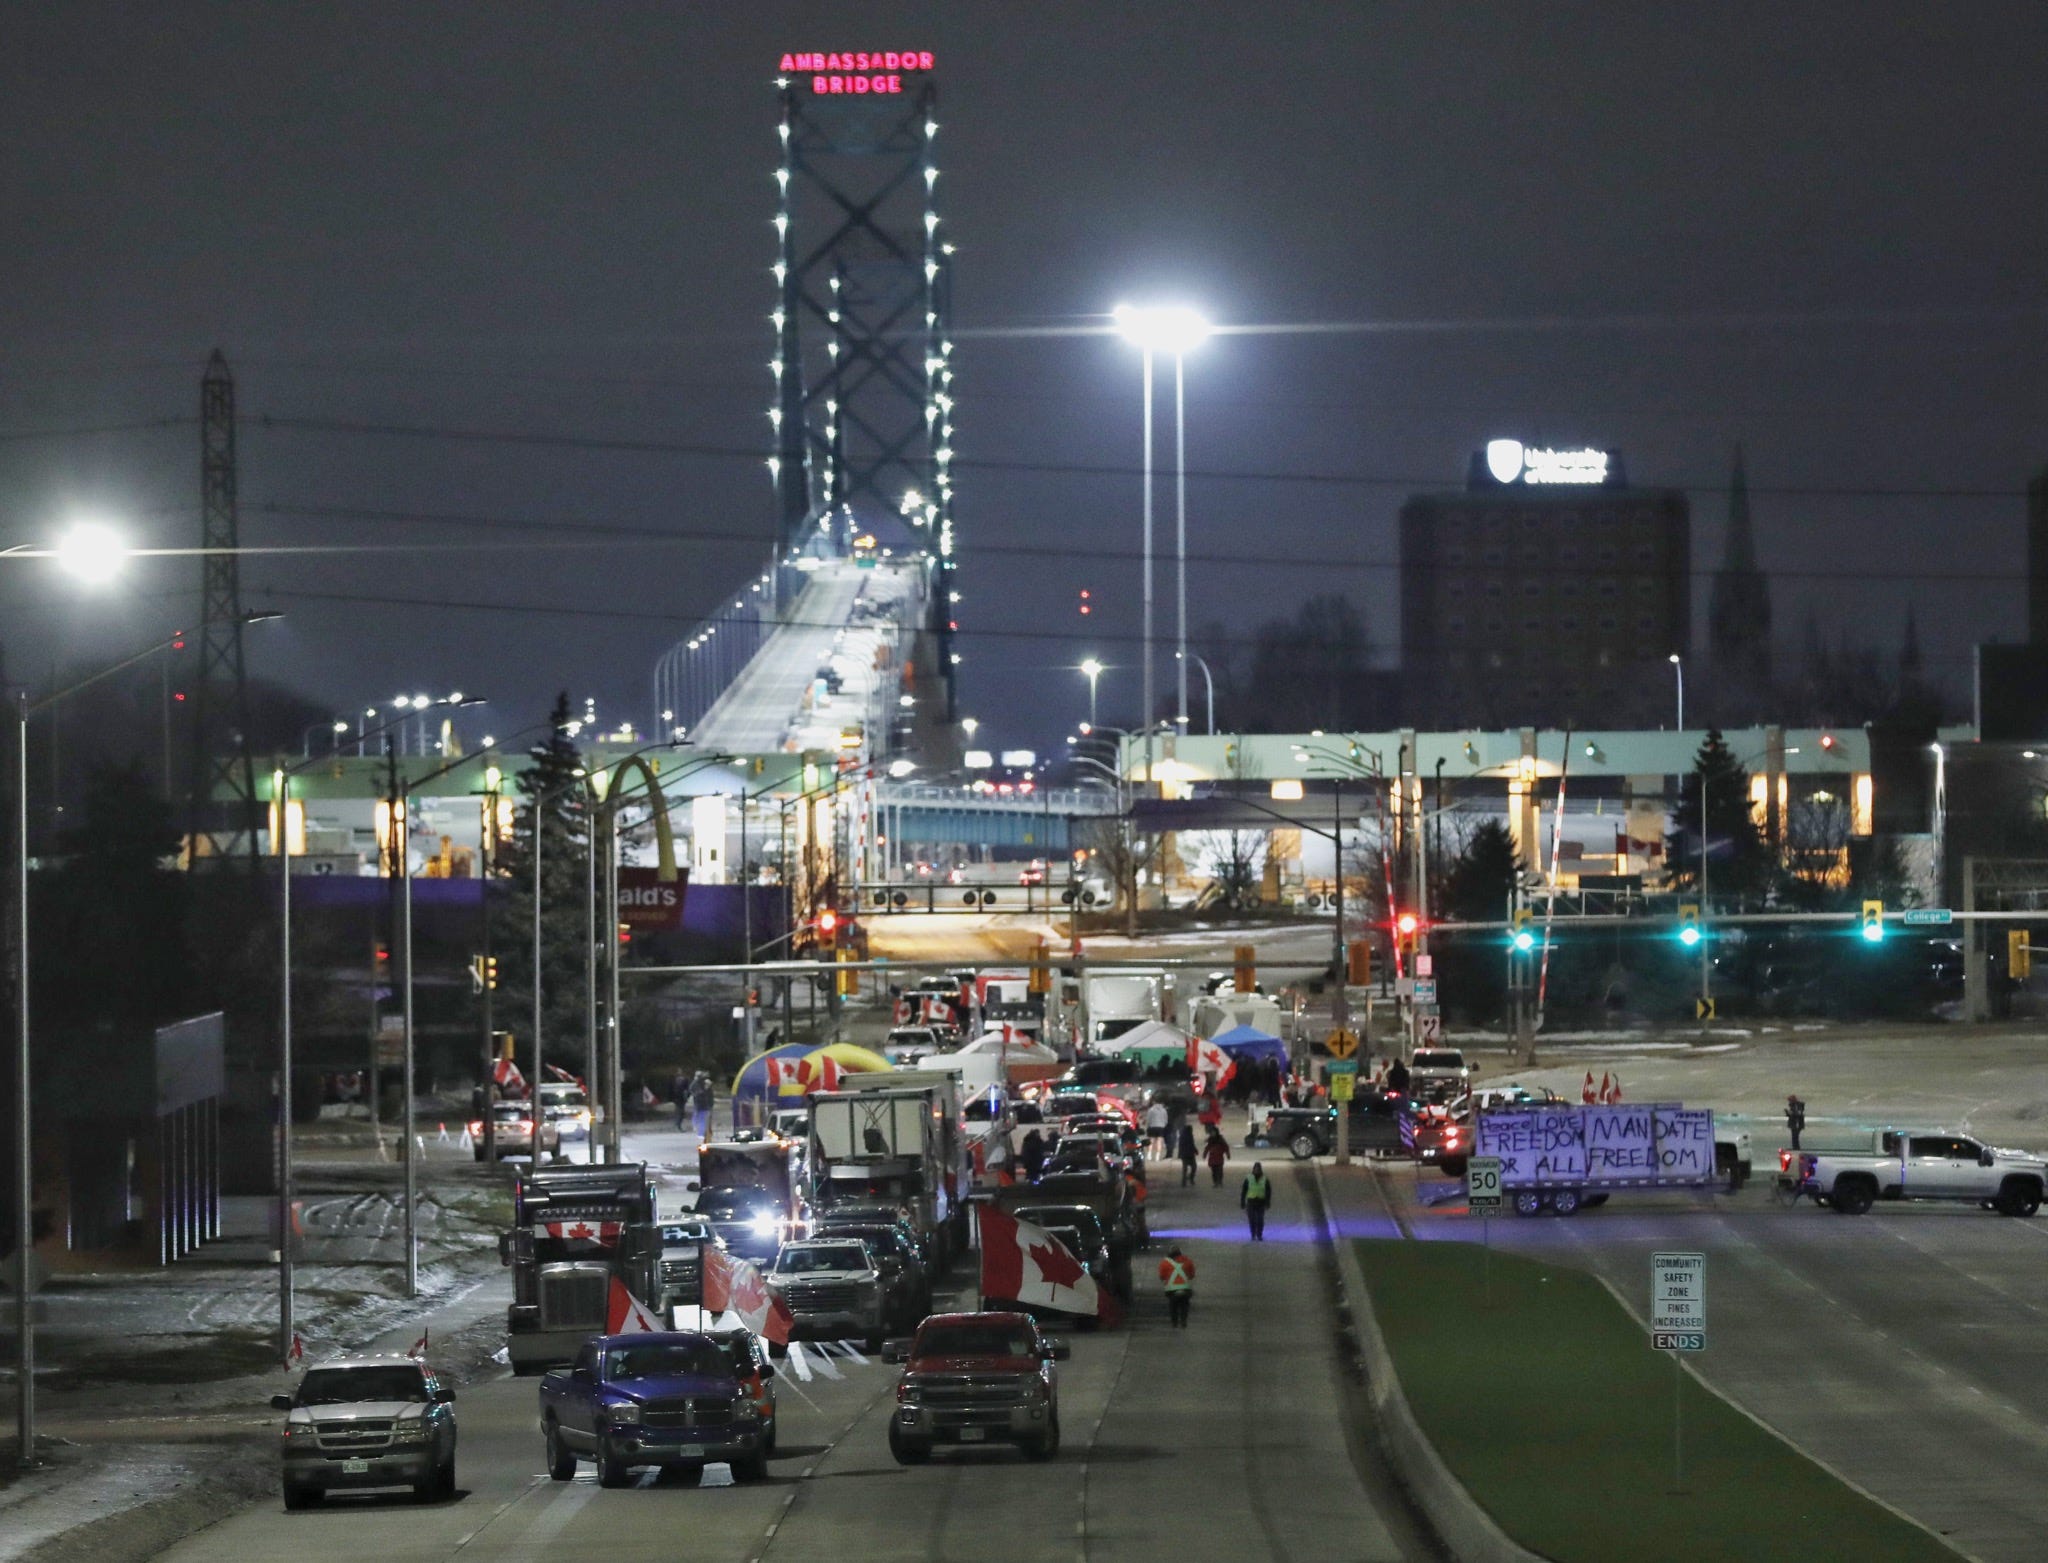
{"x": 1222, "y": 1441}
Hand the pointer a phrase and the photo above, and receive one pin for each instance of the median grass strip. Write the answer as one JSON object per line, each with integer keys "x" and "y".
{"x": 1554, "y": 1412}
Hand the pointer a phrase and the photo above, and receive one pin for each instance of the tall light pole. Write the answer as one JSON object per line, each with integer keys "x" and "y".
{"x": 1091, "y": 670}
{"x": 1678, "y": 667}
{"x": 1209, "y": 683}
{"x": 1177, "y": 330}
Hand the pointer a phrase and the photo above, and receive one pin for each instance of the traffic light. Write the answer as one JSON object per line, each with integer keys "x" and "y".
{"x": 828, "y": 924}
{"x": 1406, "y": 926}
{"x": 1523, "y": 939}
{"x": 625, "y": 933}
{"x": 1689, "y": 924}
{"x": 2019, "y": 955}
{"x": 1358, "y": 963}
{"x": 1873, "y": 921}
{"x": 1246, "y": 977}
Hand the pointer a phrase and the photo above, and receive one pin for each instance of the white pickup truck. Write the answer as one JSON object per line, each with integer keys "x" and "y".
{"x": 1923, "y": 1164}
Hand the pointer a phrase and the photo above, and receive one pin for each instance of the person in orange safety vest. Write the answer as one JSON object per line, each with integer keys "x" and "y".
{"x": 1177, "y": 1275}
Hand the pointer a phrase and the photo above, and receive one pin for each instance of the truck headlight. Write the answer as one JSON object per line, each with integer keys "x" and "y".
{"x": 763, "y": 1226}
{"x": 623, "y": 1413}
{"x": 413, "y": 1431}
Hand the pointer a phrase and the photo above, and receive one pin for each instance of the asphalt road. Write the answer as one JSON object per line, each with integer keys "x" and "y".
{"x": 1904, "y": 1348}
{"x": 1223, "y": 1440}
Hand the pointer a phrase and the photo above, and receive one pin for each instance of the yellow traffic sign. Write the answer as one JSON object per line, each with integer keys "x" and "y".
{"x": 1703, "y": 1009}
{"x": 1341, "y": 1087}
{"x": 1341, "y": 1044}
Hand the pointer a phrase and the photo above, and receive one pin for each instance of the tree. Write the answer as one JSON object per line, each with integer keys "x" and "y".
{"x": 1233, "y": 861}
{"x": 553, "y": 792}
{"x": 1737, "y": 864}
{"x": 1309, "y": 672}
{"x": 1482, "y": 876}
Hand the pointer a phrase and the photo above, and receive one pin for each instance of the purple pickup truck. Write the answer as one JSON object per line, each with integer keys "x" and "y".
{"x": 672, "y": 1400}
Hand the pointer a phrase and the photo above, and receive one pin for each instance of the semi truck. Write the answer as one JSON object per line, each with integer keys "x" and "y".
{"x": 895, "y": 1139}
{"x": 1559, "y": 1159}
{"x": 1120, "y": 1001}
{"x": 573, "y": 1230}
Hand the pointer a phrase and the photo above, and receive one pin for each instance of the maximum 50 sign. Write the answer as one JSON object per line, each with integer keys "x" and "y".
{"x": 1678, "y": 1302}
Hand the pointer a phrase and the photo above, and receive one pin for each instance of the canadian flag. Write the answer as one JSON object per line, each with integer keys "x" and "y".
{"x": 584, "y": 1231}
{"x": 625, "y": 1314}
{"x": 419, "y": 1347}
{"x": 557, "y": 1072}
{"x": 818, "y": 1074}
{"x": 783, "y": 1075}
{"x": 1024, "y": 1263}
{"x": 734, "y": 1286}
{"x": 298, "y": 1351}
{"x": 1606, "y": 1093}
{"x": 1206, "y": 1058}
{"x": 1610, "y": 1094}
{"x": 1586, "y": 1092}
{"x": 508, "y": 1078}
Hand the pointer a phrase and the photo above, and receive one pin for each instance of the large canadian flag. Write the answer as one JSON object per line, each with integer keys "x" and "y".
{"x": 734, "y": 1286}
{"x": 1024, "y": 1263}
{"x": 1206, "y": 1058}
{"x": 625, "y": 1314}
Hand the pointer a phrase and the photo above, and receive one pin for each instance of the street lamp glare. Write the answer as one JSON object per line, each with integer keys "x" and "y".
{"x": 1173, "y": 329}
{"x": 1091, "y": 668}
{"x": 92, "y": 551}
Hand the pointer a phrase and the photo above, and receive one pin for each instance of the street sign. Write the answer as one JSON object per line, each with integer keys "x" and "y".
{"x": 1482, "y": 1183}
{"x": 1927, "y": 917}
{"x": 1342, "y": 1066}
{"x": 1678, "y": 1302}
{"x": 1425, "y": 990}
{"x": 1703, "y": 1009}
{"x": 1340, "y": 1087}
{"x": 1429, "y": 1031}
{"x": 1341, "y": 1044}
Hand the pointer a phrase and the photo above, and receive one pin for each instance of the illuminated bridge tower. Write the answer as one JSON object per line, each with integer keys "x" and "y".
{"x": 863, "y": 350}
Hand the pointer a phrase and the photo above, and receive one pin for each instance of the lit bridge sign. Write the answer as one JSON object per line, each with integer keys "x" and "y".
{"x": 856, "y": 73}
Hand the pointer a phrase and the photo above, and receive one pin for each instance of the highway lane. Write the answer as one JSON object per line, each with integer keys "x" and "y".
{"x": 1904, "y": 1348}
{"x": 1223, "y": 1440}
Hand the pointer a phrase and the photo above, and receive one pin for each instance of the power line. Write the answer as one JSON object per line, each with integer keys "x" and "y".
{"x": 1434, "y": 484}
{"x": 1321, "y": 563}
{"x": 80, "y": 430}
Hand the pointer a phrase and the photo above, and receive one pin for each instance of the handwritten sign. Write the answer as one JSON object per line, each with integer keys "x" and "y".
{"x": 1646, "y": 1144}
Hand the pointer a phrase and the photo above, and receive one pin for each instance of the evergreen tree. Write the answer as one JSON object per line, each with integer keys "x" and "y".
{"x": 553, "y": 792}
{"x": 1737, "y": 864}
{"x": 1482, "y": 876}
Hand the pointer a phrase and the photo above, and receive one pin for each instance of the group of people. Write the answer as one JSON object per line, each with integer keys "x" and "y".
{"x": 696, "y": 1095}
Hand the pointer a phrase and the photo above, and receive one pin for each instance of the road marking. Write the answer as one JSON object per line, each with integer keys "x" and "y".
{"x": 531, "y": 1483}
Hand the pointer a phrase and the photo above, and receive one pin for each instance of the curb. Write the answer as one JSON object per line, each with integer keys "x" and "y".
{"x": 1466, "y": 1530}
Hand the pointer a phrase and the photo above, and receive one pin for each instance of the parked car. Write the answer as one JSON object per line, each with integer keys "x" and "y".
{"x": 833, "y": 1288}
{"x": 972, "y": 1378}
{"x": 362, "y": 1422}
{"x": 906, "y": 1277}
{"x": 673, "y": 1399}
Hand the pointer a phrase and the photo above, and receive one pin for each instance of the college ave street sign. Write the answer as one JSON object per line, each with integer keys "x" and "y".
{"x": 1927, "y": 917}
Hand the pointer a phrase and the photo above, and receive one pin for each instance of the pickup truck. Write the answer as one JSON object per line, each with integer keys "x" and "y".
{"x": 368, "y": 1422}
{"x": 1923, "y": 1164}
{"x": 975, "y": 1378}
{"x": 834, "y": 1289}
{"x": 670, "y": 1399}
{"x": 1312, "y": 1131}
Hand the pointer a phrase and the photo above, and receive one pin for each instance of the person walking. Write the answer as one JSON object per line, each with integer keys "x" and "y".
{"x": 702, "y": 1099}
{"x": 679, "y": 1096}
{"x": 1254, "y": 1197}
{"x": 1031, "y": 1155}
{"x": 1216, "y": 1152}
{"x": 1177, "y": 1275}
{"x": 1186, "y": 1148}
{"x": 1795, "y": 1118}
{"x": 1155, "y": 1125}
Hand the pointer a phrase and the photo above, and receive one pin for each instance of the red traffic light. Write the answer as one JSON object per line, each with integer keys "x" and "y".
{"x": 1407, "y": 922}
{"x": 828, "y": 920}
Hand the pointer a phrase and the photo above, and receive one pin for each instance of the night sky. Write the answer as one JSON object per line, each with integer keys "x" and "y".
{"x": 1664, "y": 228}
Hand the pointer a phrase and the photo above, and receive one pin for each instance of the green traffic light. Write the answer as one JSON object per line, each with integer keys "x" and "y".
{"x": 1525, "y": 941}
{"x": 1689, "y": 935}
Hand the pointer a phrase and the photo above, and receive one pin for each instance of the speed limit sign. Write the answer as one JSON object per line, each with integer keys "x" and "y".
{"x": 1482, "y": 1183}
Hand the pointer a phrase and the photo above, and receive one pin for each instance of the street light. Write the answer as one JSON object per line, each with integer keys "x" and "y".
{"x": 1177, "y": 330}
{"x": 91, "y": 551}
{"x": 1091, "y": 670}
{"x": 1678, "y": 667}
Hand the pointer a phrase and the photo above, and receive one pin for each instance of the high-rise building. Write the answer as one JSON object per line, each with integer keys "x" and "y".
{"x": 1548, "y": 592}
{"x": 1738, "y": 618}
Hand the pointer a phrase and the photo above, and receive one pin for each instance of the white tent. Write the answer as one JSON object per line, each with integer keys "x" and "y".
{"x": 983, "y": 1061}
{"x": 1154, "y": 1034}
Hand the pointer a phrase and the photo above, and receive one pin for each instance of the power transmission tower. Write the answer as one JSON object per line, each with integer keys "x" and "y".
{"x": 221, "y": 768}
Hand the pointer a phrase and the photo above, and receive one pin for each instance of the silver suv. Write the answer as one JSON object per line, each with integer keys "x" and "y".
{"x": 368, "y": 1422}
{"x": 834, "y": 1290}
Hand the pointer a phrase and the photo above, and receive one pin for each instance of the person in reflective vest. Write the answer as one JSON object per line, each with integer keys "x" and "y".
{"x": 1177, "y": 1275}
{"x": 1254, "y": 1197}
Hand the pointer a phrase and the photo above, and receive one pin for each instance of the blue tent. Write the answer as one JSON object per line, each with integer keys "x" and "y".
{"x": 1247, "y": 1045}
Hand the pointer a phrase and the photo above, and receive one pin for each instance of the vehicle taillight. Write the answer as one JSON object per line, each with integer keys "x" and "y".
{"x": 1784, "y": 1161}
{"x": 476, "y": 1130}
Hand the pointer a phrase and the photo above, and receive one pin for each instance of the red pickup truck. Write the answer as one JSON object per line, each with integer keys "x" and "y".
{"x": 976, "y": 1378}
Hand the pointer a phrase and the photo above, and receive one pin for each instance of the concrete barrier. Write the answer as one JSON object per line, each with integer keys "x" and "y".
{"x": 1466, "y": 1530}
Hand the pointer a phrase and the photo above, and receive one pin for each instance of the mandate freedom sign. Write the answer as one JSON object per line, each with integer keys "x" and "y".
{"x": 1600, "y": 1146}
